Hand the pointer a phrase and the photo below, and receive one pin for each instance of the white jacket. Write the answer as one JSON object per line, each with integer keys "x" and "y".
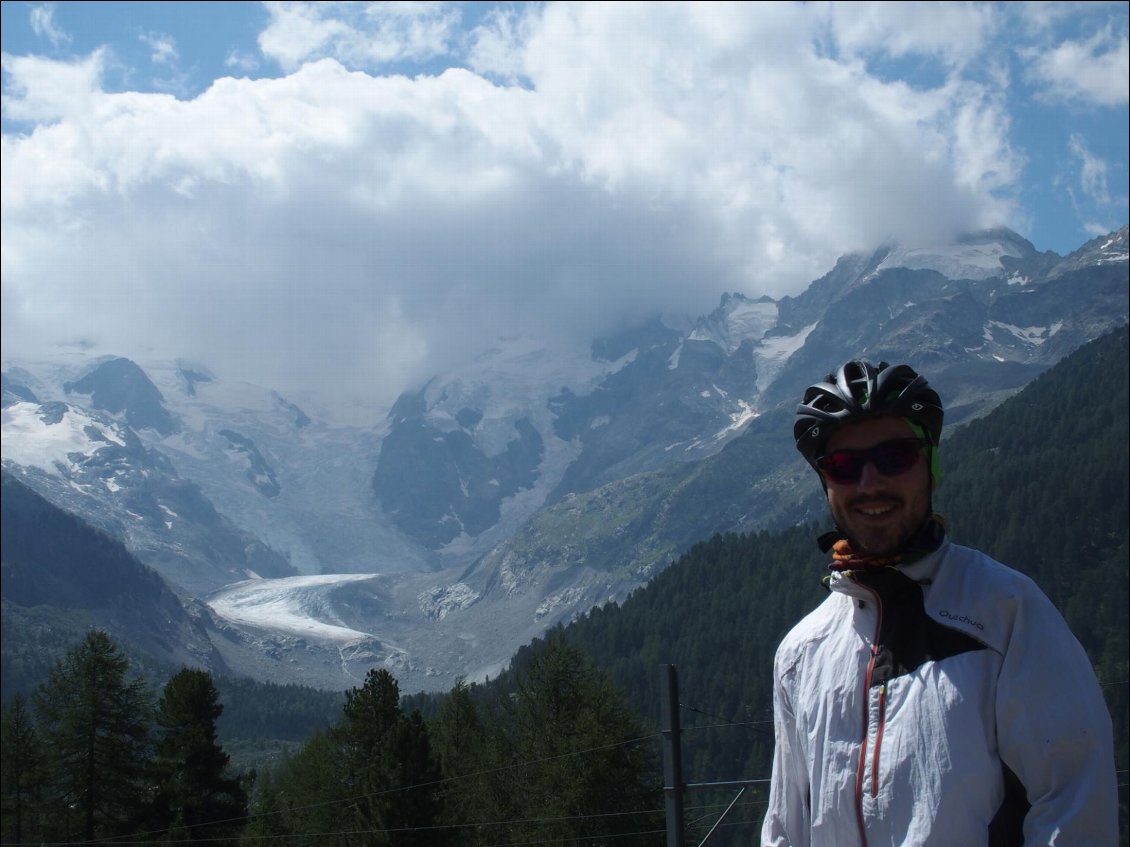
{"x": 955, "y": 712}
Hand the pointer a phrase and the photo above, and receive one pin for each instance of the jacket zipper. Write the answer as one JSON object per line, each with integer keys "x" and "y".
{"x": 867, "y": 717}
{"x": 878, "y": 740}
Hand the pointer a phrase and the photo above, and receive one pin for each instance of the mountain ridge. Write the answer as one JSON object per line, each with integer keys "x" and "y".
{"x": 533, "y": 482}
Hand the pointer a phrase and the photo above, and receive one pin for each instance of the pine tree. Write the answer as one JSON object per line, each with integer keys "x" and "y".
{"x": 413, "y": 808}
{"x": 268, "y": 822}
{"x": 469, "y": 759}
{"x": 589, "y": 768}
{"x": 392, "y": 777}
{"x": 307, "y": 801}
{"x": 369, "y": 714}
{"x": 197, "y": 797}
{"x": 95, "y": 723}
{"x": 23, "y": 777}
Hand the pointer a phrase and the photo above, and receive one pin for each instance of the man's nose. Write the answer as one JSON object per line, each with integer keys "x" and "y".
{"x": 870, "y": 477}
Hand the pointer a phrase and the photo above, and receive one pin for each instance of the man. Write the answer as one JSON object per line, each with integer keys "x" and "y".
{"x": 936, "y": 698}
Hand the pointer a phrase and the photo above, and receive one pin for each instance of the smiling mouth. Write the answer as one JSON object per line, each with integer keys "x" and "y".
{"x": 876, "y": 511}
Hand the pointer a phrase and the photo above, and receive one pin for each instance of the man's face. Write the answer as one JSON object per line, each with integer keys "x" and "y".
{"x": 878, "y": 513}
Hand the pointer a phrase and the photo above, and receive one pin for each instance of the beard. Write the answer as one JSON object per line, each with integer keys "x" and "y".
{"x": 882, "y": 537}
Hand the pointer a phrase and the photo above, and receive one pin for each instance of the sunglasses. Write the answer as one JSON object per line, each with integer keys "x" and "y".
{"x": 890, "y": 458}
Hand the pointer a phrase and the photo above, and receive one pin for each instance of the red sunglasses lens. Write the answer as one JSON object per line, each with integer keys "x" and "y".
{"x": 891, "y": 458}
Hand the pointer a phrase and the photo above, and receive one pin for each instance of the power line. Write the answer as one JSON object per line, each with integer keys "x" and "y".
{"x": 137, "y": 838}
{"x": 482, "y": 824}
{"x": 394, "y": 830}
{"x": 756, "y": 726}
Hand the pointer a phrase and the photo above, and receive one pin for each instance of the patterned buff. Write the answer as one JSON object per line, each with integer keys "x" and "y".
{"x": 928, "y": 539}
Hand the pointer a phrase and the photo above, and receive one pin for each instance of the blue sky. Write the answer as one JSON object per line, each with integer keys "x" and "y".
{"x": 288, "y": 187}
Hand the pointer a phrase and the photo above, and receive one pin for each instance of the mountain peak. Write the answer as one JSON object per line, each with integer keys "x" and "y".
{"x": 737, "y": 319}
{"x": 1109, "y": 249}
{"x": 976, "y": 255}
{"x": 119, "y": 386}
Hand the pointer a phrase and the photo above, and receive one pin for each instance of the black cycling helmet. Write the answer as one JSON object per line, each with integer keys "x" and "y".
{"x": 860, "y": 390}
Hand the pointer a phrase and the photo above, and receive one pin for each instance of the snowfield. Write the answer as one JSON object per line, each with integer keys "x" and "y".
{"x": 31, "y": 439}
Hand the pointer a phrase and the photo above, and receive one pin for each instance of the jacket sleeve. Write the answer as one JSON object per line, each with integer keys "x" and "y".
{"x": 788, "y": 817}
{"x": 1054, "y": 729}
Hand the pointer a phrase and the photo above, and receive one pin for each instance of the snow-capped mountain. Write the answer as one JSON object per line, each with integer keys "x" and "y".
{"x": 292, "y": 491}
{"x": 94, "y": 465}
{"x": 534, "y": 481}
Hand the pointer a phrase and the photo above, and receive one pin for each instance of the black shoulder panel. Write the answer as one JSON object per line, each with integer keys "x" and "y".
{"x": 908, "y": 637}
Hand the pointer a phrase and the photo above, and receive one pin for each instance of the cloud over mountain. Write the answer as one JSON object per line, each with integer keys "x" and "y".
{"x": 417, "y": 179}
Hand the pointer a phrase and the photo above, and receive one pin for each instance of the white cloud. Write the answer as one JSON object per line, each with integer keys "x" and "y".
{"x": 1092, "y": 171}
{"x": 954, "y": 33}
{"x": 360, "y": 35}
{"x": 162, "y": 48}
{"x": 340, "y": 227}
{"x": 45, "y": 91}
{"x": 1094, "y": 70}
{"x": 732, "y": 107}
{"x": 496, "y": 45}
{"x": 241, "y": 62}
{"x": 42, "y": 19}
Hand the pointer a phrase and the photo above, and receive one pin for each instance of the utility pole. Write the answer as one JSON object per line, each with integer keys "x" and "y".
{"x": 673, "y": 785}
